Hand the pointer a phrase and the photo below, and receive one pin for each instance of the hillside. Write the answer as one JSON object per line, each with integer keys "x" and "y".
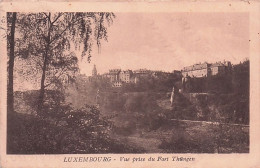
{"x": 135, "y": 118}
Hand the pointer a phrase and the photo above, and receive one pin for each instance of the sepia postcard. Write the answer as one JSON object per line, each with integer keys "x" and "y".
{"x": 130, "y": 84}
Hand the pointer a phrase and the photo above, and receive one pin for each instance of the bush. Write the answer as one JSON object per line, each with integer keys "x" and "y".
{"x": 62, "y": 129}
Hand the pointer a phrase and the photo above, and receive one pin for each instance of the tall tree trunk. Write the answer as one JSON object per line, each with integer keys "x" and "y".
{"x": 42, "y": 90}
{"x": 10, "y": 90}
{"x": 45, "y": 63}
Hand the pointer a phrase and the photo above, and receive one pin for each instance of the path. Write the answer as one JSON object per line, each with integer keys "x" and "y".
{"x": 150, "y": 145}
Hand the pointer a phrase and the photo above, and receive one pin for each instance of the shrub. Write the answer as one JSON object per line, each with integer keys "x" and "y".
{"x": 62, "y": 129}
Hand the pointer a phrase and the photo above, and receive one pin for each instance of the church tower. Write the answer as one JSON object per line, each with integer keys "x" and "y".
{"x": 94, "y": 71}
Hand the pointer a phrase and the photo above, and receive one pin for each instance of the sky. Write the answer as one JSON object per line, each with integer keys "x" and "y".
{"x": 170, "y": 41}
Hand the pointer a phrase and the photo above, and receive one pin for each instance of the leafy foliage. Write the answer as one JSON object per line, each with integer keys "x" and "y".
{"x": 62, "y": 129}
{"x": 161, "y": 82}
{"x": 50, "y": 35}
{"x": 45, "y": 41}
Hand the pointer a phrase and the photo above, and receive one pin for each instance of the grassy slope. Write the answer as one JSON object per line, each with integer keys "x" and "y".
{"x": 140, "y": 120}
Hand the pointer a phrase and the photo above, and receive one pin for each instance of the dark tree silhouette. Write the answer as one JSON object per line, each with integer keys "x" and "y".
{"x": 11, "y": 43}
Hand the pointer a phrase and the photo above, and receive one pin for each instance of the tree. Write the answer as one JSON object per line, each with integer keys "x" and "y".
{"x": 11, "y": 43}
{"x": 47, "y": 39}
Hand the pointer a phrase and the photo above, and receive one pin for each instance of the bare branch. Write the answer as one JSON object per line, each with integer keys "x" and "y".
{"x": 59, "y": 35}
{"x": 47, "y": 16}
{"x": 60, "y": 14}
{"x": 57, "y": 77}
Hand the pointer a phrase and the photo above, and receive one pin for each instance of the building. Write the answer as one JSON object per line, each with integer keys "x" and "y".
{"x": 206, "y": 69}
{"x": 94, "y": 71}
{"x": 95, "y": 75}
{"x": 220, "y": 68}
{"x": 118, "y": 77}
{"x": 134, "y": 79}
{"x": 125, "y": 76}
{"x": 113, "y": 74}
{"x": 117, "y": 84}
{"x": 141, "y": 72}
{"x": 197, "y": 70}
{"x": 160, "y": 74}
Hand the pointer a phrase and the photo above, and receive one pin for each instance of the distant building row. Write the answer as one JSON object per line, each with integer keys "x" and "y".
{"x": 206, "y": 69}
{"x": 118, "y": 76}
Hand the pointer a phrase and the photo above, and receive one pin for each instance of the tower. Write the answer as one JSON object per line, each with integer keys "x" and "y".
{"x": 94, "y": 71}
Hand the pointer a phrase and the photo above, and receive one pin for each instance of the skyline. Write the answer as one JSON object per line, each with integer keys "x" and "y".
{"x": 210, "y": 63}
{"x": 164, "y": 41}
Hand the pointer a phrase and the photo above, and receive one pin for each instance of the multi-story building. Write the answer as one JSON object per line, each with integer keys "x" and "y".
{"x": 141, "y": 72}
{"x": 196, "y": 70}
{"x": 118, "y": 77}
{"x": 125, "y": 76}
{"x": 220, "y": 68}
{"x": 113, "y": 74}
{"x": 206, "y": 69}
